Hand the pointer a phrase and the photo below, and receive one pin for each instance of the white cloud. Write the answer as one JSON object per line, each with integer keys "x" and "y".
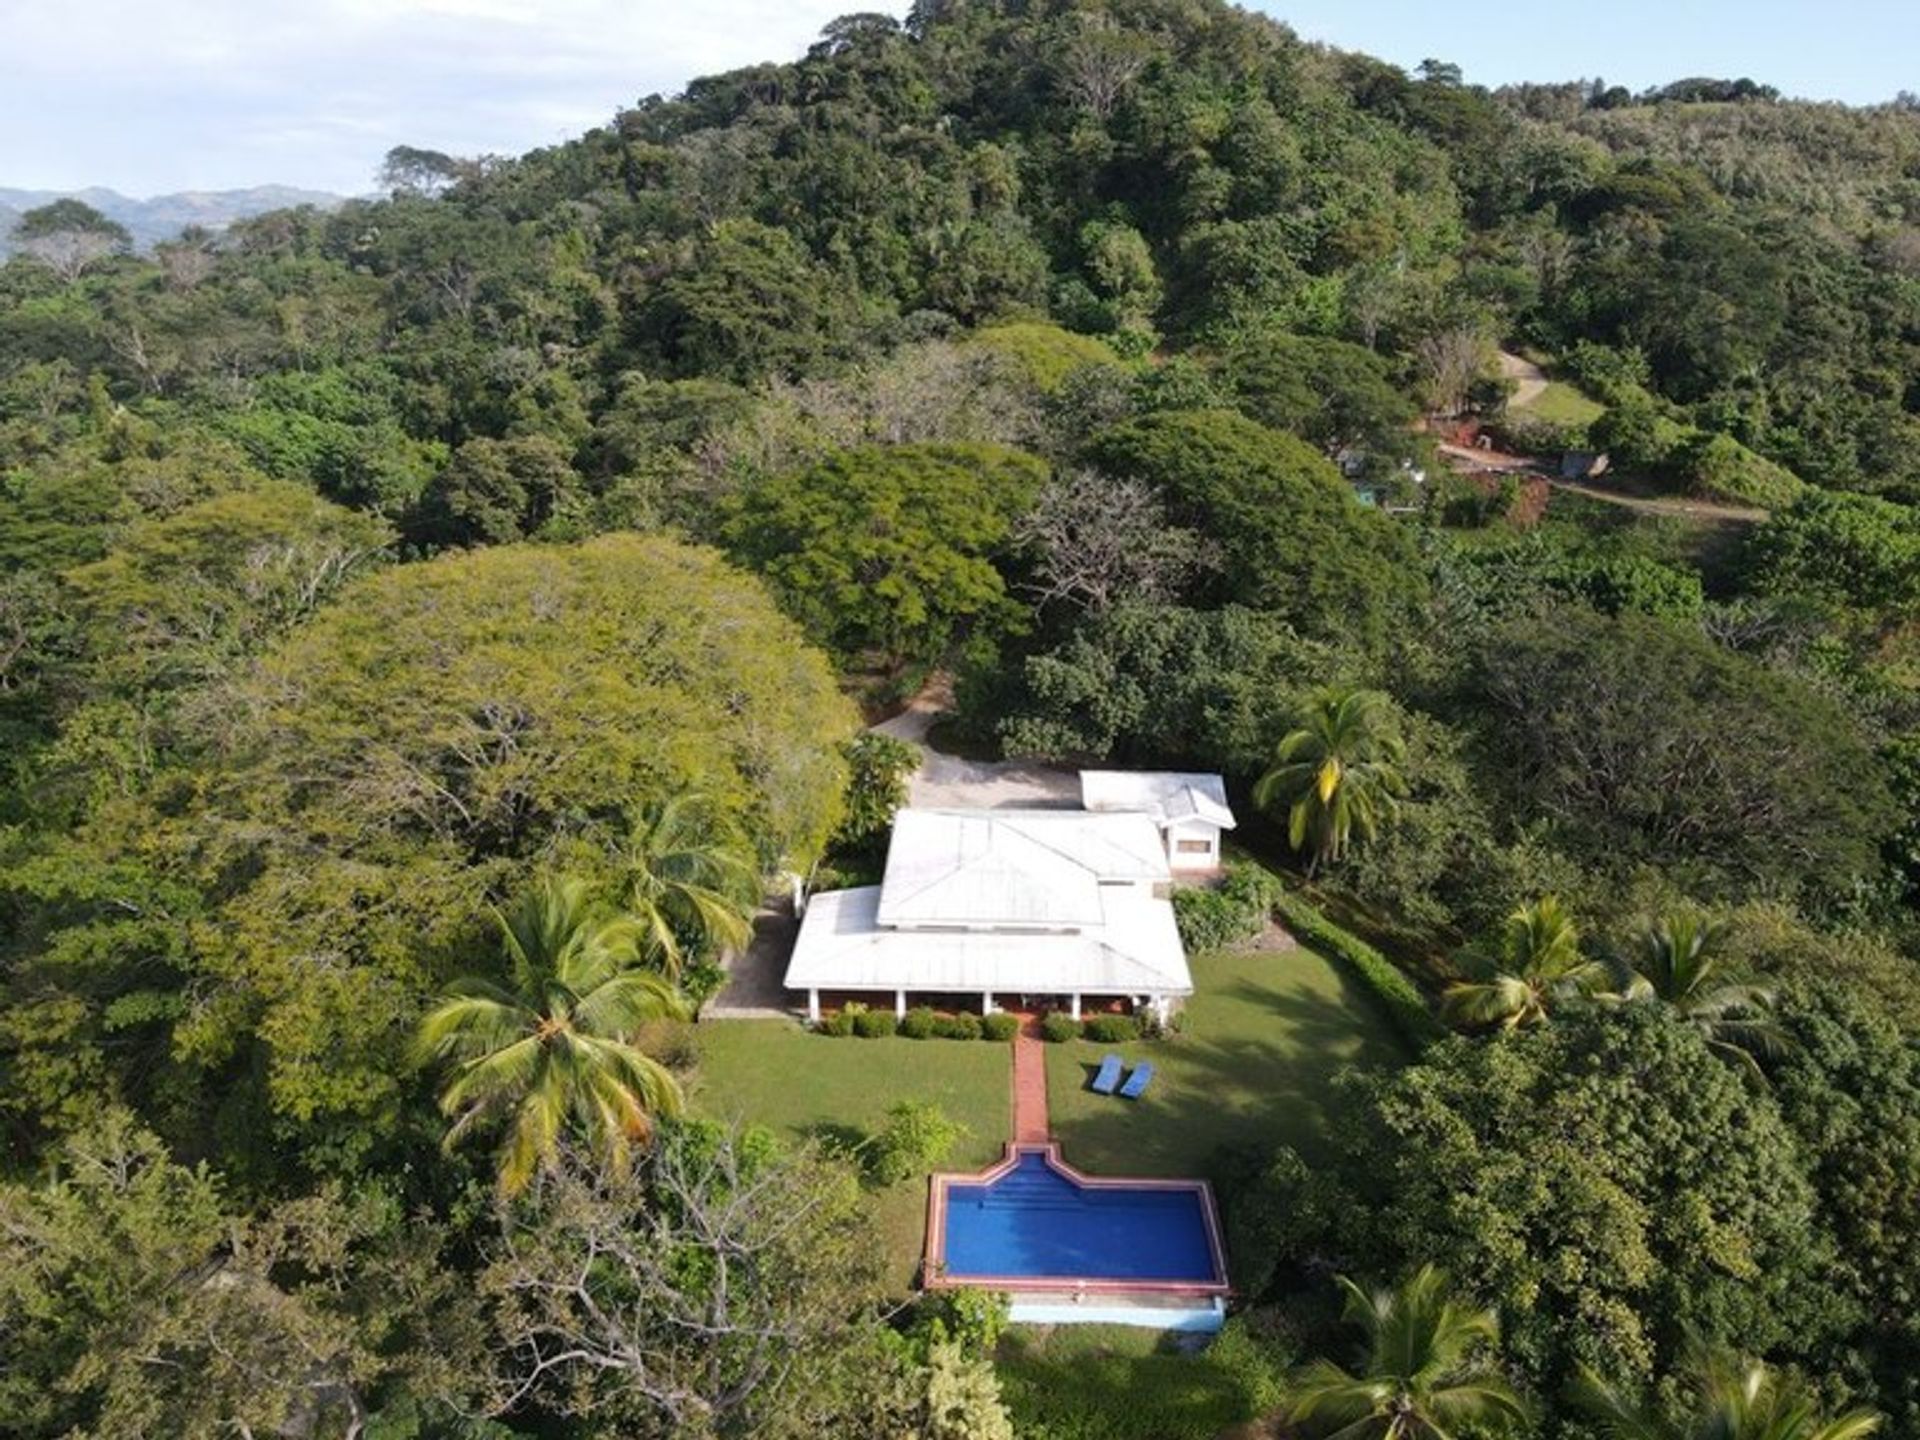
{"x": 211, "y": 93}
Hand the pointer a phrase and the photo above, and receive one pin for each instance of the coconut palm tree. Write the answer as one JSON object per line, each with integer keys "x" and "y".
{"x": 1532, "y": 962}
{"x": 1424, "y": 1373}
{"x": 691, "y": 882}
{"x": 553, "y": 1048}
{"x": 1737, "y": 1399}
{"x": 1336, "y": 773}
{"x": 1677, "y": 960}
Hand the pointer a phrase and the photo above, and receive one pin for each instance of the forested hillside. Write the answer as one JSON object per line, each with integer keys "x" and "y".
{"x": 362, "y": 572}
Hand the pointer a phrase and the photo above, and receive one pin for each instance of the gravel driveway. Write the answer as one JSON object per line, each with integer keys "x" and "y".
{"x": 946, "y": 782}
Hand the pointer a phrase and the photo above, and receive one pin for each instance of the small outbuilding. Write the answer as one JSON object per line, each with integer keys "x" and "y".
{"x": 1189, "y": 809}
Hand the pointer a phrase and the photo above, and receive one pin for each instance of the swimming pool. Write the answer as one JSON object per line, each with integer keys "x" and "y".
{"x": 1033, "y": 1222}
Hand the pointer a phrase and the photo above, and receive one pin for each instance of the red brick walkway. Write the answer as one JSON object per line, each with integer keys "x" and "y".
{"x": 1029, "y": 1084}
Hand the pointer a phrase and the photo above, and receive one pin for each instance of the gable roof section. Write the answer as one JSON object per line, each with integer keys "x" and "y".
{"x": 844, "y": 945}
{"x": 1038, "y": 869}
{"x": 1167, "y": 796}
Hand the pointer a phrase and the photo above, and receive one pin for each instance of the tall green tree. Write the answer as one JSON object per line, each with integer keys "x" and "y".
{"x": 1424, "y": 1372}
{"x": 1534, "y": 961}
{"x": 1336, "y": 773}
{"x": 1607, "y": 1182}
{"x": 553, "y": 1048}
{"x": 1292, "y": 537}
{"x": 892, "y": 549}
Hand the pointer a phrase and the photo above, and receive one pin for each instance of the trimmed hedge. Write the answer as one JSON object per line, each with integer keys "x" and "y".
{"x": 1056, "y": 1028}
{"x": 920, "y": 1023}
{"x": 1111, "y": 1029}
{"x": 964, "y": 1026}
{"x": 1398, "y": 995}
{"x": 999, "y": 1026}
{"x": 874, "y": 1024}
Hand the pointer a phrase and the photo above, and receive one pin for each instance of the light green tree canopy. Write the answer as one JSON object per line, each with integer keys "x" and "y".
{"x": 414, "y": 750}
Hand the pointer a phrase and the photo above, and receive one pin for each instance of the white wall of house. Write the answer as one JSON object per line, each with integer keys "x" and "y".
{"x": 1192, "y": 846}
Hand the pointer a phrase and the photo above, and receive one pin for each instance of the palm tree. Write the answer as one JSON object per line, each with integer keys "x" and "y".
{"x": 555, "y": 1045}
{"x": 1533, "y": 961}
{"x": 1336, "y": 772}
{"x": 1738, "y": 1399}
{"x": 1423, "y": 1373}
{"x": 1677, "y": 960}
{"x": 691, "y": 882}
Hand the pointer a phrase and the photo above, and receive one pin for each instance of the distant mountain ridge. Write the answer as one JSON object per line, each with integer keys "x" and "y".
{"x": 161, "y": 217}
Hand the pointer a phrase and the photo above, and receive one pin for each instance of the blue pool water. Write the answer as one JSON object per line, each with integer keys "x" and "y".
{"x": 1034, "y": 1222}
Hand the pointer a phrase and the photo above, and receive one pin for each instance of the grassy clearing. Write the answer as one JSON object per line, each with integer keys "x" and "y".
{"x": 1563, "y": 404}
{"x": 807, "y": 1086}
{"x": 1095, "y": 1382}
{"x": 1266, "y": 1032}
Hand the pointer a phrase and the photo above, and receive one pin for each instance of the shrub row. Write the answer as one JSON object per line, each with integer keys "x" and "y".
{"x": 1234, "y": 910}
{"x": 921, "y": 1023}
{"x": 1058, "y": 1027}
{"x": 1399, "y": 996}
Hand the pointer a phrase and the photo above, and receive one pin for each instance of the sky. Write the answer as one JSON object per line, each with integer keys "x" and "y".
{"x": 149, "y": 96}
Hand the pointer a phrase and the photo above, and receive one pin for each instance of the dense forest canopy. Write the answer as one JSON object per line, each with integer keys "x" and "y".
{"x": 359, "y": 569}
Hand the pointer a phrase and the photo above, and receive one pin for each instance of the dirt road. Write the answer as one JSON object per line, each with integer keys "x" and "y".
{"x": 1530, "y": 381}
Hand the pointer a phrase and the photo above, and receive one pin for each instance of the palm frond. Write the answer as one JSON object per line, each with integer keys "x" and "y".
{"x": 471, "y": 1024}
{"x": 1503, "y": 1000}
{"x": 621, "y": 1004}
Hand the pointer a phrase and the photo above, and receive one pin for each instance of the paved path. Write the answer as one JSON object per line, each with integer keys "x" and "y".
{"x": 1030, "y": 1125}
{"x": 753, "y": 990}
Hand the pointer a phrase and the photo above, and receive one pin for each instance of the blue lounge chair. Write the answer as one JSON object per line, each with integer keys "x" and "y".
{"x": 1137, "y": 1082}
{"x": 1109, "y": 1076}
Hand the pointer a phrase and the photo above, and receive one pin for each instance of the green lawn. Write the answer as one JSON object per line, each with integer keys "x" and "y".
{"x": 777, "y": 1074}
{"x": 1265, "y": 1033}
{"x": 1562, "y": 404}
{"x": 1102, "y": 1381}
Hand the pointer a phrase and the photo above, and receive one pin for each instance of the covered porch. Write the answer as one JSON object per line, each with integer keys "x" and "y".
{"x": 823, "y": 1001}
{"x": 1134, "y": 963}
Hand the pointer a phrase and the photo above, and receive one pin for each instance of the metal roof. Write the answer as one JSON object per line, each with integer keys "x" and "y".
{"x": 1037, "y": 868}
{"x": 1168, "y": 796}
{"x": 844, "y": 946}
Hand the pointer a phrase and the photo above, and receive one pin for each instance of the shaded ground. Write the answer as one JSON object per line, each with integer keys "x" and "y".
{"x": 1266, "y": 1033}
{"x": 1113, "y": 1381}
{"x": 754, "y": 990}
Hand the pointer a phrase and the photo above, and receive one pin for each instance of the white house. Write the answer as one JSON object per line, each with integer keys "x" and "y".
{"x": 1038, "y": 908}
{"x": 1034, "y": 908}
{"x": 1189, "y": 809}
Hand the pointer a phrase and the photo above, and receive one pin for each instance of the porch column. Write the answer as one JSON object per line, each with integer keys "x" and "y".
{"x": 899, "y": 1004}
{"x": 813, "y": 1007}
{"x": 1075, "y": 1011}
{"x": 986, "y": 1002}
